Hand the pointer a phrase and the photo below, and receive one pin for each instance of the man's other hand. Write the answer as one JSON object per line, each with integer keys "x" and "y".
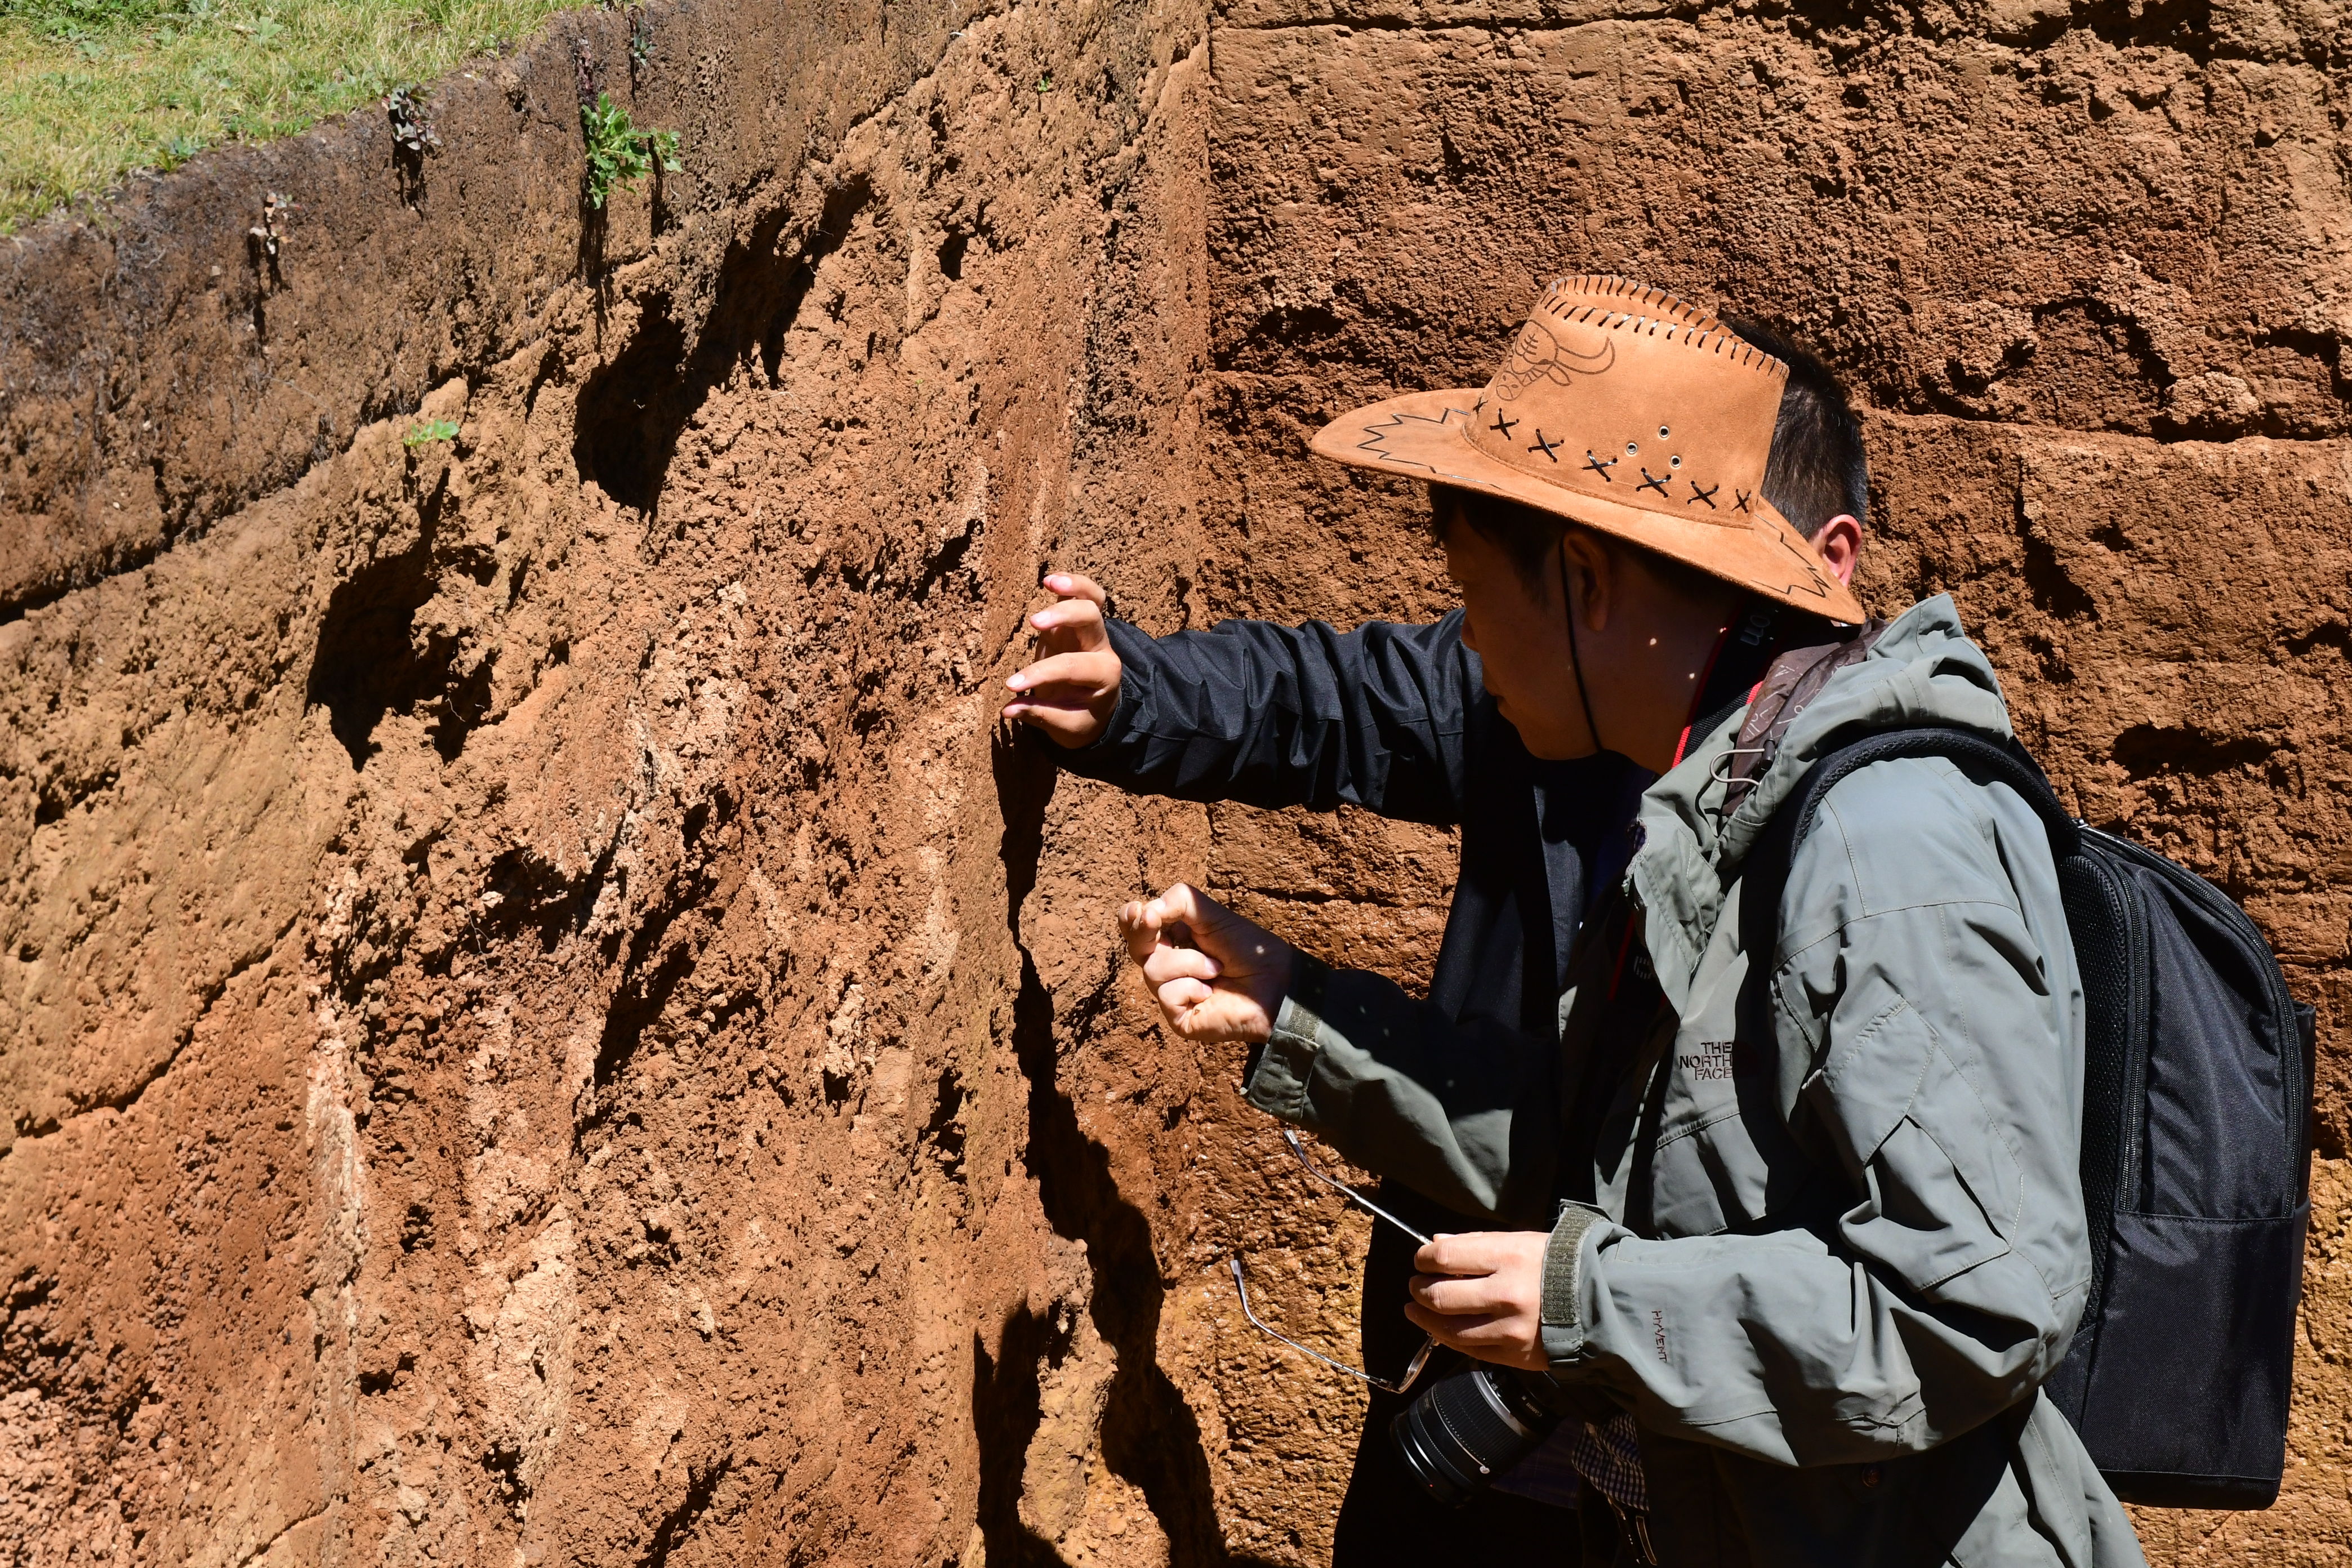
{"x": 1070, "y": 693}
{"x": 1216, "y": 976}
{"x": 1483, "y": 1294}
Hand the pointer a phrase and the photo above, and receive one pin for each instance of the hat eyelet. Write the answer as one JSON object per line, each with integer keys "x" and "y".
{"x": 1674, "y": 462}
{"x": 1664, "y": 432}
{"x": 1631, "y": 447}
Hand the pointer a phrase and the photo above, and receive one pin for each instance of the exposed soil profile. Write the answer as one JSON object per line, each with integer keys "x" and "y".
{"x": 542, "y": 1024}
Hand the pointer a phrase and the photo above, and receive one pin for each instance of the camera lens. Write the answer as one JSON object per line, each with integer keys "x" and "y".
{"x": 1466, "y": 1429}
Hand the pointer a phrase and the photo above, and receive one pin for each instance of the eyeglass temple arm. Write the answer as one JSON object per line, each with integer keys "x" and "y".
{"x": 1345, "y": 1191}
{"x": 1420, "y": 1360}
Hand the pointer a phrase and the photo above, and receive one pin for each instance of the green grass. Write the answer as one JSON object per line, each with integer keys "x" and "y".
{"x": 91, "y": 90}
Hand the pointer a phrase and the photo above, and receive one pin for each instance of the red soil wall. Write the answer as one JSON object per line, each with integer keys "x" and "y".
{"x": 535, "y": 1017}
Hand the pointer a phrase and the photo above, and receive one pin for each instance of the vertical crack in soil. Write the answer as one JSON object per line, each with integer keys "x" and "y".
{"x": 1149, "y": 1436}
{"x": 647, "y": 983}
{"x": 2052, "y": 588}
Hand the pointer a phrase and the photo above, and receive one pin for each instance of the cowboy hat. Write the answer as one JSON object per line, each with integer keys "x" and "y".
{"x": 1622, "y": 408}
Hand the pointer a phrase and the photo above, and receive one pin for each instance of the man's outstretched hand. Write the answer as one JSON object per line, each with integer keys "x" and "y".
{"x": 1071, "y": 692}
{"x": 1216, "y": 976}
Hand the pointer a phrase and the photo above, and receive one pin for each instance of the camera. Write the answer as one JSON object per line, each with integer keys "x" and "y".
{"x": 1466, "y": 1429}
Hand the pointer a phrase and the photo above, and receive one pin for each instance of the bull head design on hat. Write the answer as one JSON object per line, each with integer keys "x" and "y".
{"x": 1624, "y": 409}
{"x": 1538, "y": 354}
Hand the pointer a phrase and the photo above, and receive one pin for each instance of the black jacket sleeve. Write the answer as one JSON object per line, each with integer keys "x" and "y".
{"x": 1275, "y": 716}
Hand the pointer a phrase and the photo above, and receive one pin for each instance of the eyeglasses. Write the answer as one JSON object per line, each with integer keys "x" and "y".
{"x": 1428, "y": 1346}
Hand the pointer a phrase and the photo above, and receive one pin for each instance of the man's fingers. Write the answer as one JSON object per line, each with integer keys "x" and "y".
{"x": 1165, "y": 963}
{"x": 1183, "y": 995}
{"x": 1478, "y": 1252}
{"x": 1216, "y": 1017}
{"x": 1495, "y": 1338}
{"x": 1070, "y": 585}
{"x": 1142, "y": 929}
{"x": 1071, "y": 694}
{"x": 1068, "y": 726}
{"x": 1178, "y": 997}
{"x": 1193, "y": 981}
{"x": 1075, "y": 676}
{"x": 1213, "y": 926}
{"x": 1203, "y": 918}
{"x": 1192, "y": 919}
{"x": 1459, "y": 1298}
{"x": 1462, "y": 1333}
{"x": 1075, "y": 623}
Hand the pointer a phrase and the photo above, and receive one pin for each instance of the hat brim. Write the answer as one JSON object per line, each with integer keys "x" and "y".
{"x": 1423, "y": 436}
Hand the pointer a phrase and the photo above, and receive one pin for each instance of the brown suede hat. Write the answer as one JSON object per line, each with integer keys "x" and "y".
{"x": 1622, "y": 408}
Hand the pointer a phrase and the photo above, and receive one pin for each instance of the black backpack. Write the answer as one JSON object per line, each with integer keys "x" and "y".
{"x": 2196, "y": 1149}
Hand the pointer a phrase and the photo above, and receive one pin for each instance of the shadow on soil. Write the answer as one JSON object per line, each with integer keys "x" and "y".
{"x": 371, "y": 661}
{"x": 1149, "y": 1434}
{"x": 631, "y": 411}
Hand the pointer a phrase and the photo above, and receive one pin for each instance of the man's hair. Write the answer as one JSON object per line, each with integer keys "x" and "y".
{"x": 1816, "y": 471}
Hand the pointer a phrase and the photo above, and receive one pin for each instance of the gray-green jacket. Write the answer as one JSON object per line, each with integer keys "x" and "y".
{"x": 1827, "y": 1269}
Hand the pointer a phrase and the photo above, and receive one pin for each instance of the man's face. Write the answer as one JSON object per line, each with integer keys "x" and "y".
{"x": 1521, "y": 641}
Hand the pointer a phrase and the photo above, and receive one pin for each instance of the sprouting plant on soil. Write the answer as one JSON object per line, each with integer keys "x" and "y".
{"x": 1045, "y": 82}
{"x": 412, "y": 128}
{"x": 641, "y": 40}
{"x": 432, "y": 431}
{"x": 619, "y": 153}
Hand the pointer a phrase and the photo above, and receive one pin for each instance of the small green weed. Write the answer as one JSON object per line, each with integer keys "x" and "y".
{"x": 621, "y": 154}
{"x": 641, "y": 41}
{"x": 411, "y": 124}
{"x": 432, "y": 431}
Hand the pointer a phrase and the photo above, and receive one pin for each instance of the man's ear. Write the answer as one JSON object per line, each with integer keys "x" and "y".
{"x": 1592, "y": 577}
{"x": 1839, "y": 545}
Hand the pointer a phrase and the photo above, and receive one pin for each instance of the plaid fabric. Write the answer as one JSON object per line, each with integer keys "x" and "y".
{"x": 1609, "y": 1458}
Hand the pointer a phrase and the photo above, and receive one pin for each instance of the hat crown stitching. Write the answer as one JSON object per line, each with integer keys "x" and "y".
{"x": 1716, "y": 338}
{"x": 1652, "y": 301}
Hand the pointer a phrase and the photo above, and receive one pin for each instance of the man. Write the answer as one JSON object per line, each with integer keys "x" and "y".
{"x": 1397, "y": 720}
{"x": 1820, "y": 1236}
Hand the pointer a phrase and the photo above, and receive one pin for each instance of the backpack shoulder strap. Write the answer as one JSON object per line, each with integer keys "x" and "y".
{"x": 1790, "y": 682}
{"x": 1986, "y": 758}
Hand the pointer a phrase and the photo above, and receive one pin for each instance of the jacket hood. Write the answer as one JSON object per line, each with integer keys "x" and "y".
{"x": 1923, "y": 670}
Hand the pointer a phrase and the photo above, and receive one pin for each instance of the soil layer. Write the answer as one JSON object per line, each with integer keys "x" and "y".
{"x": 541, "y": 1021}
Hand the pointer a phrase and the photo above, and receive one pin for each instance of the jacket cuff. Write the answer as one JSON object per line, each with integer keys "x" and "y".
{"x": 1277, "y": 1079}
{"x": 1135, "y": 649}
{"x": 1565, "y": 1267}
